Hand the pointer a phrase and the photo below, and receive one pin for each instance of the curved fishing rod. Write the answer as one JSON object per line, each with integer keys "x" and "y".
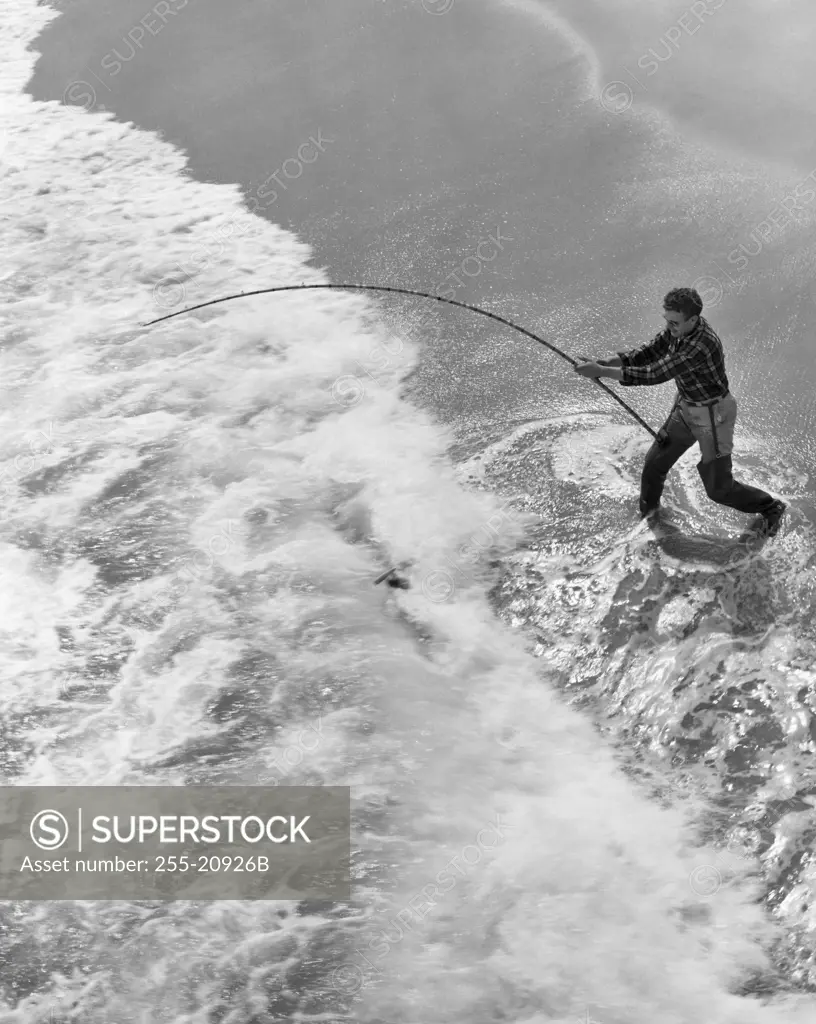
{"x": 422, "y": 295}
{"x": 391, "y": 574}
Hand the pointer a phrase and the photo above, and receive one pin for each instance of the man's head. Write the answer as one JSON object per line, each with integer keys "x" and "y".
{"x": 681, "y": 311}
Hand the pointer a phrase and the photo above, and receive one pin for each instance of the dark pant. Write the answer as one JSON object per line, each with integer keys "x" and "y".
{"x": 713, "y": 428}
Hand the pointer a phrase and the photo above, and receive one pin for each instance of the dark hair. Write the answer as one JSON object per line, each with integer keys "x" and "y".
{"x": 683, "y": 300}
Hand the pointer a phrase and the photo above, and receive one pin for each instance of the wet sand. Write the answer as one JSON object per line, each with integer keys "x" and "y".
{"x": 738, "y": 72}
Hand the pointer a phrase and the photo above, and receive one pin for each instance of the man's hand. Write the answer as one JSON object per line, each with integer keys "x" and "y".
{"x": 594, "y": 368}
{"x": 589, "y": 368}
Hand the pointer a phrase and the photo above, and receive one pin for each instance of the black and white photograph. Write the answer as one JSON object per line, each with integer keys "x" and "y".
{"x": 408, "y": 512}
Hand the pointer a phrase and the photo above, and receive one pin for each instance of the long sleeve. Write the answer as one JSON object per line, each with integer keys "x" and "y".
{"x": 656, "y": 363}
{"x": 648, "y": 353}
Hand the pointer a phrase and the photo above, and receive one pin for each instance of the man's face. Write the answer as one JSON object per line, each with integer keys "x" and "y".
{"x": 677, "y": 323}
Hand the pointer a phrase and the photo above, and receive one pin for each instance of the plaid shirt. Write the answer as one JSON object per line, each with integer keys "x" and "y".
{"x": 695, "y": 361}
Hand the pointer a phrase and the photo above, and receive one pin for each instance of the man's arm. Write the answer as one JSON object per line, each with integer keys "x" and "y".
{"x": 691, "y": 360}
{"x": 615, "y": 372}
{"x": 644, "y": 365}
{"x": 646, "y": 354}
{"x": 598, "y": 368}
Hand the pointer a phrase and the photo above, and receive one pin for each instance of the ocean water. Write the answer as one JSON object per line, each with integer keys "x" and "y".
{"x": 580, "y": 758}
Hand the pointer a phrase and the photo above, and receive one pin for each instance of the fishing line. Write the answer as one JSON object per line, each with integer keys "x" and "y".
{"x": 422, "y": 295}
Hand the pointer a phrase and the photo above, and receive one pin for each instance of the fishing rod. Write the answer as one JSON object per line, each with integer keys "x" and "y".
{"x": 422, "y": 295}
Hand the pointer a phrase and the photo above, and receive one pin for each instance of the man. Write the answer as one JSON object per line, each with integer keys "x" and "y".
{"x": 704, "y": 410}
